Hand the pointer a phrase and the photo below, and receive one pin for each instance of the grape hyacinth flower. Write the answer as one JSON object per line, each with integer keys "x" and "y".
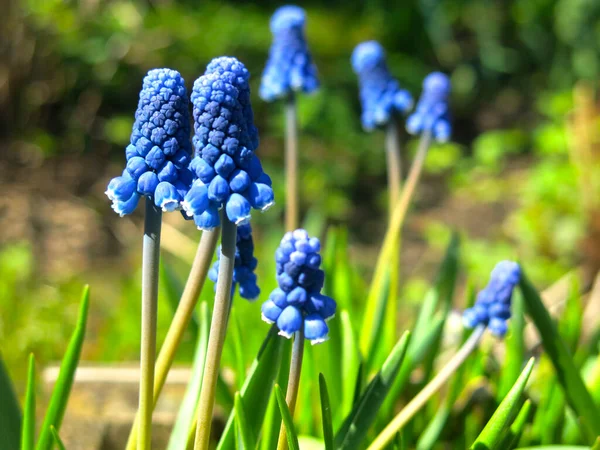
{"x": 245, "y": 264}
{"x": 297, "y": 304}
{"x": 290, "y": 67}
{"x": 432, "y": 114}
{"x": 492, "y": 307}
{"x": 380, "y": 94}
{"x": 159, "y": 151}
{"x": 226, "y": 172}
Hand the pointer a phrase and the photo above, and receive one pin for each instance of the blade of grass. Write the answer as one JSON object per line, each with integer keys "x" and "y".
{"x": 57, "y": 439}
{"x": 492, "y": 434}
{"x": 185, "y": 416}
{"x": 515, "y": 347}
{"x": 64, "y": 382}
{"x": 28, "y": 436}
{"x": 350, "y": 363}
{"x": 10, "y": 413}
{"x": 326, "y": 414}
{"x": 511, "y": 438}
{"x": 577, "y": 394}
{"x": 362, "y": 416}
{"x": 287, "y": 419}
{"x": 246, "y": 435}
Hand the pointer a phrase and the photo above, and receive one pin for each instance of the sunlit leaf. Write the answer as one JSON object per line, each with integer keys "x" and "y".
{"x": 290, "y": 430}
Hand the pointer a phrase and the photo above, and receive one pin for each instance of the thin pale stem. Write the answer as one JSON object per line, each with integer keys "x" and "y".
{"x": 181, "y": 320}
{"x": 150, "y": 262}
{"x": 394, "y": 162}
{"x": 216, "y": 339}
{"x": 409, "y": 411}
{"x": 293, "y": 384}
{"x": 291, "y": 164}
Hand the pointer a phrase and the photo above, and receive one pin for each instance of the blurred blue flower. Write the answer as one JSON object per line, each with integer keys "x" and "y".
{"x": 245, "y": 264}
{"x": 298, "y": 301}
{"x": 492, "y": 307}
{"x": 159, "y": 151}
{"x": 432, "y": 114}
{"x": 380, "y": 94}
{"x": 226, "y": 172}
{"x": 289, "y": 67}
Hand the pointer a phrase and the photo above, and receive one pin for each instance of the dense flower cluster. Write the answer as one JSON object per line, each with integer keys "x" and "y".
{"x": 245, "y": 263}
{"x": 492, "y": 307}
{"x": 159, "y": 151}
{"x": 432, "y": 114}
{"x": 290, "y": 66}
{"x": 226, "y": 171}
{"x": 298, "y": 301}
{"x": 380, "y": 94}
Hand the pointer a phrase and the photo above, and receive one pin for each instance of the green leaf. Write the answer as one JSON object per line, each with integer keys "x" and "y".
{"x": 516, "y": 429}
{"x": 28, "y": 436}
{"x": 492, "y": 434}
{"x": 355, "y": 427}
{"x": 326, "y": 414}
{"x": 577, "y": 395}
{"x": 56, "y": 437}
{"x": 186, "y": 414}
{"x": 10, "y": 413}
{"x": 555, "y": 447}
{"x": 290, "y": 430}
{"x": 372, "y": 328}
{"x": 257, "y": 388}
{"x": 350, "y": 364}
{"x": 515, "y": 347}
{"x": 238, "y": 348}
{"x": 62, "y": 388}
{"x": 246, "y": 437}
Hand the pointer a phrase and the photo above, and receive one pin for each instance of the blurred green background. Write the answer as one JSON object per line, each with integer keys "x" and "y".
{"x": 520, "y": 178}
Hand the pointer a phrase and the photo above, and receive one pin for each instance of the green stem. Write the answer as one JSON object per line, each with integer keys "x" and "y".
{"x": 409, "y": 411}
{"x": 291, "y": 164}
{"x": 150, "y": 262}
{"x": 181, "y": 320}
{"x": 218, "y": 328}
{"x": 293, "y": 384}
{"x": 394, "y": 162}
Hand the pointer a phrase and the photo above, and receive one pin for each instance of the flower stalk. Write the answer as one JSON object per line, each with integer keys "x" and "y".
{"x": 218, "y": 328}
{"x": 409, "y": 411}
{"x": 394, "y": 161}
{"x": 150, "y": 265}
{"x": 291, "y": 163}
{"x": 181, "y": 320}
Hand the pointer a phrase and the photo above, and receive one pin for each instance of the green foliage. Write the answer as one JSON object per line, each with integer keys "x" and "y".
{"x": 10, "y": 413}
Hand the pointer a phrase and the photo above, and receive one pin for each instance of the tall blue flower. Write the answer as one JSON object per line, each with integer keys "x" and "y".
{"x": 289, "y": 67}
{"x": 298, "y": 301}
{"x": 226, "y": 171}
{"x": 432, "y": 114}
{"x": 492, "y": 307}
{"x": 159, "y": 151}
{"x": 245, "y": 263}
{"x": 380, "y": 94}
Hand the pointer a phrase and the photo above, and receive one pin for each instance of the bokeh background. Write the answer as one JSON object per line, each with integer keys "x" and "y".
{"x": 520, "y": 178}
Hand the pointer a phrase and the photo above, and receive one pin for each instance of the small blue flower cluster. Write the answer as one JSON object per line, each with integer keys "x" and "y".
{"x": 492, "y": 307}
{"x": 159, "y": 151}
{"x": 432, "y": 114}
{"x": 298, "y": 301}
{"x": 290, "y": 66}
{"x": 380, "y": 94}
{"x": 226, "y": 170}
{"x": 245, "y": 263}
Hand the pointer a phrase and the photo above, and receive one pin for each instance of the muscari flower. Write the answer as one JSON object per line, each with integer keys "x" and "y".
{"x": 226, "y": 171}
{"x": 159, "y": 151}
{"x": 245, "y": 263}
{"x": 290, "y": 67}
{"x": 298, "y": 301}
{"x": 432, "y": 114}
{"x": 492, "y": 307}
{"x": 380, "y": 94}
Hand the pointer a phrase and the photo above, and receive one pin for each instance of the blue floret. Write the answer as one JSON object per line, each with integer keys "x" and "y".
{"x": 432, "y": 114}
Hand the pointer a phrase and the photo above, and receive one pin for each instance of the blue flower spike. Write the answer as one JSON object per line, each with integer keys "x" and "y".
{"x": 159, "y": 151}
{"x": 225, "y": 172}
{"x": 244, "y": 266}
{"x": 432, "y": 114}
{"x": 298, "y": 301}
{"x": 380, "y": 94}
{"x": 492, "y": 307}
{"x": 290, "y": 67}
